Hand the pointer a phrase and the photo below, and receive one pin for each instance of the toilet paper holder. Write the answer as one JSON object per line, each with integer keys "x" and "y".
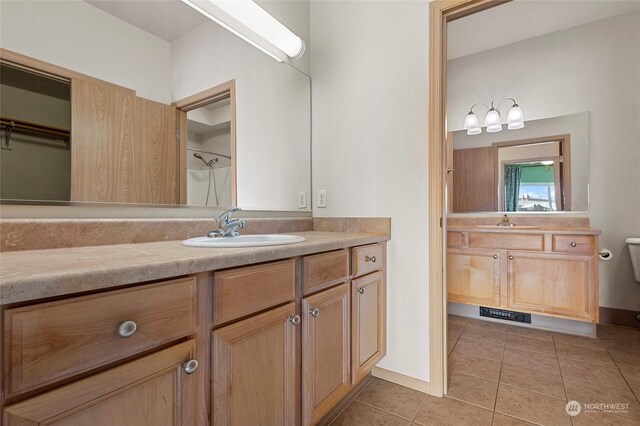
{"x": 605, "y": 254}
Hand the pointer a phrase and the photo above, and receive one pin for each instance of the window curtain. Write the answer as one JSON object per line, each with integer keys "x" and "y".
{"x": 512, "y": 176}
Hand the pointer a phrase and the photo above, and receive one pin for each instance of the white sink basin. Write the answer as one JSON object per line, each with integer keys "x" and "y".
{"x": 244, "y": 241}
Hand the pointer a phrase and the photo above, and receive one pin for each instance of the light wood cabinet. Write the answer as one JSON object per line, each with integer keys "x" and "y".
{"x": 368, "y": 322}
{"x": 326, "y": 339}
{"x": 269, "y": 353}
{"x": 51, "y": 341}
{"x": 151, "y": 391}
{"x": 473, "y": 276}
{"x": 556, "y": 284}
{"x": 540, "y": 272}
{"x": 254, "y": 370}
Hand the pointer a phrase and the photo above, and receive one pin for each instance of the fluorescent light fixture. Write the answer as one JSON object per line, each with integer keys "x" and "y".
{"x": 253, "y": 24}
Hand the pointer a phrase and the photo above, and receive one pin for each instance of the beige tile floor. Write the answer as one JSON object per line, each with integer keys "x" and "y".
{"x": 501, "y": 374}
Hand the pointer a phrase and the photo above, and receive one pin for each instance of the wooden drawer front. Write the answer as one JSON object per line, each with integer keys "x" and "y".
{"x": 579, "y": 244}
{"x": 52, "y": 341}
{"x": 506, "y": 241}
{"x": 454, "y": 239}
{"x": 153, "y": 390}
{"x": 324, "y": 269}
{"x": 367, "y": 259}
{"x": 243, "y": 291}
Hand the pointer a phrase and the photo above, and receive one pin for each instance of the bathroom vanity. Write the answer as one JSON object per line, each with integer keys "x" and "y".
{"x": 159, "y": 333}
{"x": 532, "y": 269}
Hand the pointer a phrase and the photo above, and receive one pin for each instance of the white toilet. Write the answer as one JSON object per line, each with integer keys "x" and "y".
{"x": 634, "y": 249}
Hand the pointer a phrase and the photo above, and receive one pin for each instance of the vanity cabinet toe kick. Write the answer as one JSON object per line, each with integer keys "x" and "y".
{"x": 279, "y": 343}
{"x": 545, "y": 272}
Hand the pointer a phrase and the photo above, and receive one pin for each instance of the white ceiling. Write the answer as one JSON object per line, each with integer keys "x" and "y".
{"x": 523, "y": 19}
{"x": 166, "y": 19}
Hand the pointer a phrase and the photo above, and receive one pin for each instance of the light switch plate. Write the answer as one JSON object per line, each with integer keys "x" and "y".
{"x": 302, "y": 199}
{"x": 322, "y": 198}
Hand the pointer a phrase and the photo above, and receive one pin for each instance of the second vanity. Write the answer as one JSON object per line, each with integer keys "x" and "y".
{"x": 531, "y": 269}
{"x": 159, "y": 333}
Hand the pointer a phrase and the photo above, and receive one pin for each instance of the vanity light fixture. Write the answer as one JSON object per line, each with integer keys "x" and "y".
{"x": 253, "y": 24}
{"x": 515, "y": 118}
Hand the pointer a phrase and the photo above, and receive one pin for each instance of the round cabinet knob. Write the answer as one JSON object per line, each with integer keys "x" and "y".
{"x": 371, "y": 259}
{"x": 295, "y": 319}
{"x": 510, "y": 257}
{"x": 127, "y": 328}
{"x": 361, "y": 290}
{"x": 495, "y": 256}
{"x": 190, "y": 366}
{"x": 314, "y": 312}
{"x": 573, "y": 244}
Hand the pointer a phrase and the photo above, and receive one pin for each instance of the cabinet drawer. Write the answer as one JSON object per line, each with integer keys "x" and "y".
{"x": 323, "y": 269}
{"x": 242, "y": 291}
{"x": 454, "y": 239}
{"x": 506, "y": 241}
{"x": 580, "y": 244}
{"x": 56, "y": 340}
{"x": 367, "y": 259}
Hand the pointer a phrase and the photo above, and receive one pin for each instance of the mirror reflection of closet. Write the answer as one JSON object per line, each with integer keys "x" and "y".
{"x": 209, "y": 154}
{"x": 35, "y": 112}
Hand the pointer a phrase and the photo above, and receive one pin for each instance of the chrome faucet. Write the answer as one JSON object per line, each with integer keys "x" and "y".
{"x": 227, "y": 225}
{"x": 505, "y": 221}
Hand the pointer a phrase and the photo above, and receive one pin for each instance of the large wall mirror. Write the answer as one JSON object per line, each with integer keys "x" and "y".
{"x": 543, "y": 167}
{"x": 539, "y": 102}
{"x": 150, "y": 103}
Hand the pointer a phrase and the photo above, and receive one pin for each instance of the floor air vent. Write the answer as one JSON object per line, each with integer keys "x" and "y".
{"x": 505, "y": 315}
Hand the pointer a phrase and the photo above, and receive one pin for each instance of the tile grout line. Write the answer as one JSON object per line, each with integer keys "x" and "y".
{"x": 623, "y": 376}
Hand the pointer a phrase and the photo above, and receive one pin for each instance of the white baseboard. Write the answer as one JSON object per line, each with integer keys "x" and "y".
{"x": 401, "y": 379}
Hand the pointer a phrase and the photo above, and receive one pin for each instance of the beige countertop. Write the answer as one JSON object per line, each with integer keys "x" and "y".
{"x": 526, "y": 230}
{"x": 36, "y": 274}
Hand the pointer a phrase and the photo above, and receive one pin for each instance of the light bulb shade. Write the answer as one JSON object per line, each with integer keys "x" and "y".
{"x": 253, "y": 24}
{"x": 515, "y": 117}
{"x": 494, "y": 128}
{"x": 546, "y": 162}
{"x": 492, "y": 120}
{"x": 474, "y": 131}
{"x": 471, "y": 122}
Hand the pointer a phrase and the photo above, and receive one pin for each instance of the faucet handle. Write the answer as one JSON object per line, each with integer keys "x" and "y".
{"x": 226, "y": 216}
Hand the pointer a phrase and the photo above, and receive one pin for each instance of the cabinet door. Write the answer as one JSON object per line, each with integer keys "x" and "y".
{"x": 102, "y": 119}
{"x": 254, "y": 370}
{"x": 155, "y": 168}
{"x": 368, "y": 341}
{"x": 325, "y": 351}
{"x": 151, "y": 391}
{"x": 473, "y": 276}
{"x": 553, "y": 284}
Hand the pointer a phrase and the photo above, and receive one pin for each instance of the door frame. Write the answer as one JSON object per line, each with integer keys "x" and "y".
{"x": 217, "y": 93}
{"x": 440, "y": 13}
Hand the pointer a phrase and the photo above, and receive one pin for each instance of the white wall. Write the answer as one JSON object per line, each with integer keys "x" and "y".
{"x": 273, "y": 102}
{"x": 369, "y": 66}
{"x": 75, "y": 35}
{"x": 592, "y": 67}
